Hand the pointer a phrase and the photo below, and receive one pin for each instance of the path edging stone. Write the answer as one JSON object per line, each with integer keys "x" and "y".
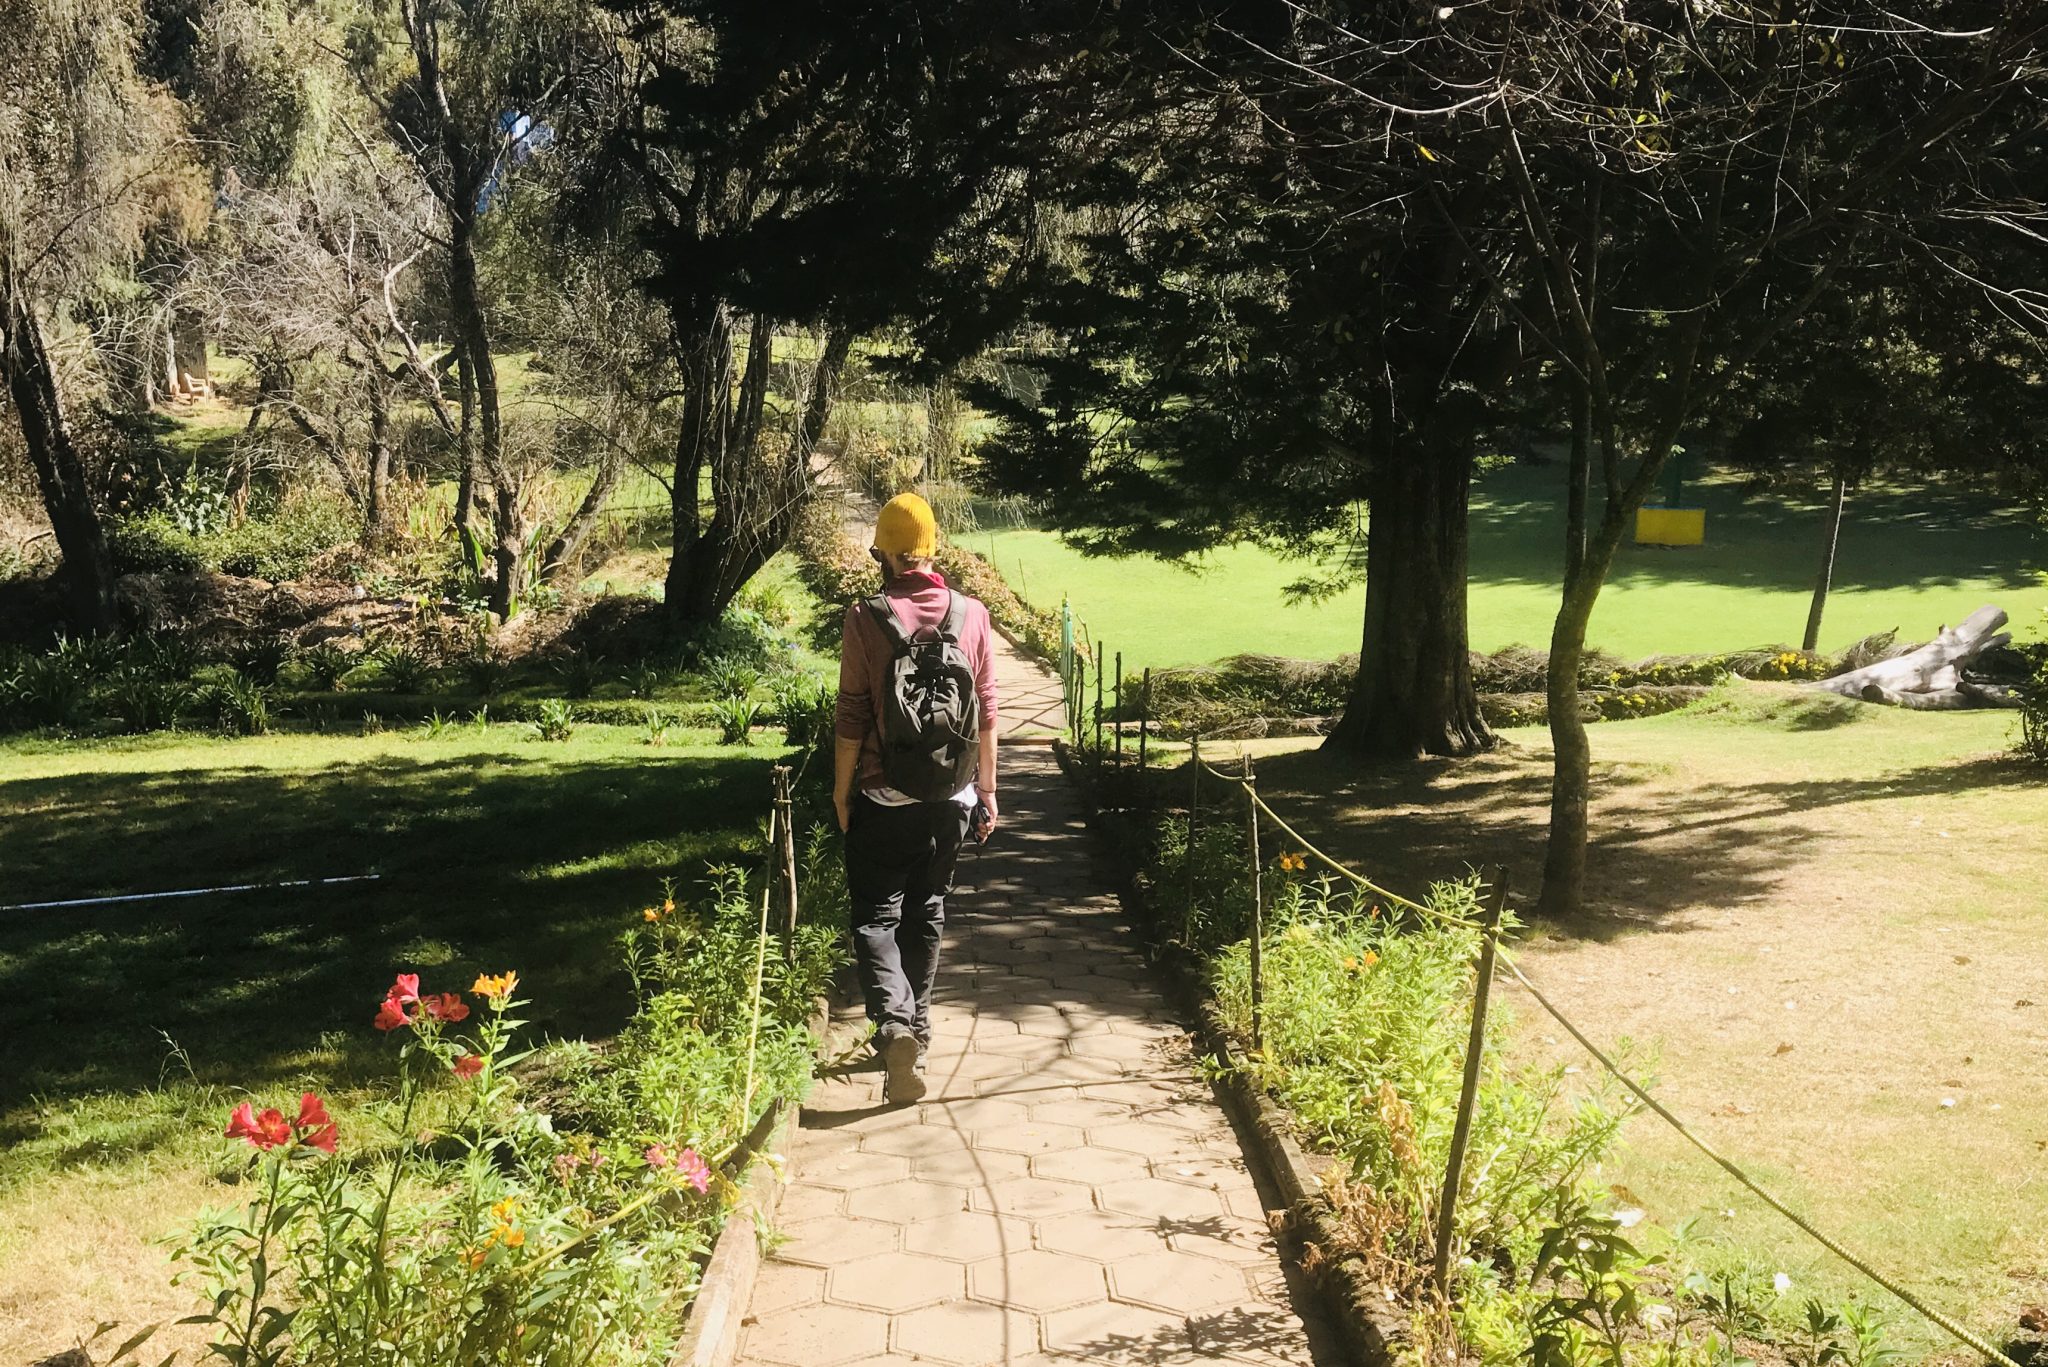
{"x": 718, "y": 1313}
{"x": 1356, "y": 1305}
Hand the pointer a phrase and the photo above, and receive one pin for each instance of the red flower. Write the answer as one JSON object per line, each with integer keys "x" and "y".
{"x": 322, "y": 1139}
{"x": 445, "y": 1006}
{"x": 469, "y": 1065}
{"x": 391, "y": 1015}
{"x": 312, "y": 1113}
{"x": 406, "y": 988}
{"x": 265, "y": 1131}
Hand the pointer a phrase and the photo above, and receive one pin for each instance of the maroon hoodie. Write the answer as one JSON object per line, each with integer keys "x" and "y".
{"x": 920, "y": 600}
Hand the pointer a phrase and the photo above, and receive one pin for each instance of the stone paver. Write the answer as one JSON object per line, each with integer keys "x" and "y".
{"x": 1069, "y": 1192}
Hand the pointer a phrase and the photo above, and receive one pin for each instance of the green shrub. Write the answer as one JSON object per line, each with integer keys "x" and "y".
{"x": 557, "y": 722}
{"x": 406, "y": 669}
{"x": 48, "y": 690}
{"x": 807, "y": 707}
{"x": 326, "y": 667}
{"x": 163, "y": 656}
{"x": 485, "y": 671}
{"x": 2033, "y": 699}
{"x": 140, "y": 702}
{"x": 735, "y": 718}
{"x": 238, "y": 706}
{"x": 578, "y": 674}
{"x": 261, "y": 659}
{"x": 153, "y": 544}
{"x": 730, "y": 678}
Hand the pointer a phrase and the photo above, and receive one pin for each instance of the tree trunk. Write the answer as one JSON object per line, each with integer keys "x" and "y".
{"x": 700, "y": 443}
{"x": 1413, "y": 695}
{"x": 1811, "y": 641}
{"x": 752, "y": 518}
{"x": 467, "y": 499}
{"x": 1571, "y": 773}
{"x": 561, "y": 554}
{"x": 377, "y": 478}
{"x": 88, "y": 568}
{"x": 508, "y": 543}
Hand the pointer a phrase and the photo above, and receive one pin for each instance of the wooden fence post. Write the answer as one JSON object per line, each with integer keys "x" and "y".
{"x": 1258, "y": 942}
{"x": 1468, "y": 1095}
{"x": 1194, "y": 820}
{"x": 1100, "y": 660}
{"x": 785, "y": 809}
{"x": 1144, "y": 720}
{"x": 1119, "y": 687}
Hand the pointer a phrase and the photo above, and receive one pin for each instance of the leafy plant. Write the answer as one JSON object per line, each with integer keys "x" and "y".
{"x": 485, "y": 671}
{"x": 736, "y": 718}
{"x": 557, "y": 721}
{"x": 807, "y": 708}
{"x": 658, "y": 724}
{"x": 163, "y": 656}
{"x": 406, "y": 669}
{"x": 435, "y": 727}
{"x": 533, "y": 1247}
{"x": 325, "y": 667}
{"x": 238, "y": 706}
{"x": 50, "y": 690}
{"x": 140, "y": 702}
{"x": 645, "y": 679}
{"x": 578, "y": 674}
{"x": 2033, "y": 699}
{"x": 261, "y": 659}
{"x": 730, "y": 678}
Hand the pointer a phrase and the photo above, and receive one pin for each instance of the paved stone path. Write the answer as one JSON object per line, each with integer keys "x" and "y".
{"x": 1069, "y": 1192}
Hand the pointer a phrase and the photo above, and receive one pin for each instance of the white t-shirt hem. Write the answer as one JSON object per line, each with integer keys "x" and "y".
{"x": 891, "y": 797}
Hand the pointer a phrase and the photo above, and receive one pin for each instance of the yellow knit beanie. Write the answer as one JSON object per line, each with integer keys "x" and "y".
{"x": 907, "y": 527}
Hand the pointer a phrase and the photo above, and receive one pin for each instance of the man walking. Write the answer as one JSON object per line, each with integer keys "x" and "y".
{"x": 915, "y": 767}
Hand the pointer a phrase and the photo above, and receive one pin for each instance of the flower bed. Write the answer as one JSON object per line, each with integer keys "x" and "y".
{"x": 505, "y": 1204}
{"x": 1365, "y": 1016}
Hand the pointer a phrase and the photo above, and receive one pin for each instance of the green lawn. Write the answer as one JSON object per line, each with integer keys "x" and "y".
{"x": 129, "y": 1028}
{"x": 1910, "y": 558}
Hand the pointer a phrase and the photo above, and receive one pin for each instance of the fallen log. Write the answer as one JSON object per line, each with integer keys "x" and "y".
{"x": 1930, "y": 679}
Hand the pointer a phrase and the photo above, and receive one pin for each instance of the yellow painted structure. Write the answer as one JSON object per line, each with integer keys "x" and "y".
{"x": 1671, "y": 526}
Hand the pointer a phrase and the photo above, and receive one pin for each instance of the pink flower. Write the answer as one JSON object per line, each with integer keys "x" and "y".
{"x": 391, "y": 1015}
{"x": 565, "y": 1167}
{"x": 692, "y": 1169}
{"x": 468, "y": 1065}
{"x": 265, "y": 1131}
{"x": 406, "y": 988}
{"x": 445, "y": 1006}
{"x": 657, "y": 1156}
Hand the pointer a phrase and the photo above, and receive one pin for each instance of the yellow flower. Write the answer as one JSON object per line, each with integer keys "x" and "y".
{"x": 1350, "y": 963}
{"x": 506, "y": 1211}
{"x": 494, "y": 985}
{"x": 1293, "y": 863}
{"x": 476, "y": 1256}
{"x": 1369, "y": 960}
{"x": 650, "y": 915}
{"x": 515, "y": 1238}
{"x": 668, "y": 906}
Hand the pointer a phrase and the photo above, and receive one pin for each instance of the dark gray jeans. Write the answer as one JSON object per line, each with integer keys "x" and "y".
{"x": 899, "y": 868}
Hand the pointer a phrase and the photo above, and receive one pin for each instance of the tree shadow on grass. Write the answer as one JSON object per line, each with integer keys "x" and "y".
{"x": 487, "y": 863}
{"x": 1658, "y": 858}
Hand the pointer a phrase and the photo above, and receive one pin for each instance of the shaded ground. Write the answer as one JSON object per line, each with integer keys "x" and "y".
{"x": 130, "y": 1030}
{"x": 1822, "y": 927}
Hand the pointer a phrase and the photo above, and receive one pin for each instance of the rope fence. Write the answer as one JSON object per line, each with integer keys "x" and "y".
{"x": 1492, "y": 956}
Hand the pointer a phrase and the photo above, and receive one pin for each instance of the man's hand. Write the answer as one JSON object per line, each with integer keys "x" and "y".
{"x": 842, "y": 803}
{"x": 989, "y": 813}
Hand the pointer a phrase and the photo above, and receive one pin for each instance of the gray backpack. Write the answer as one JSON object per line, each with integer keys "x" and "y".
{"x": 929, "y": 710}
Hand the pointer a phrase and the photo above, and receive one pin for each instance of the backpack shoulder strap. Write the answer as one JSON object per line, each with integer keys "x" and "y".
{"x": 956, "y": 619}
{"x": 885, "y": 617}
